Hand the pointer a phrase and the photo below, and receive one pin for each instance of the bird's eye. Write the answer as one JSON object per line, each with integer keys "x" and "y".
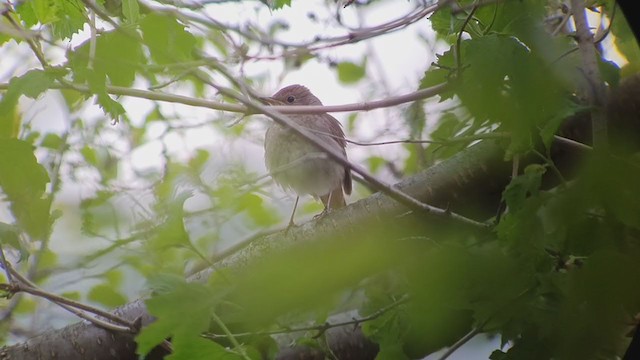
{"x": 290, "y": 99}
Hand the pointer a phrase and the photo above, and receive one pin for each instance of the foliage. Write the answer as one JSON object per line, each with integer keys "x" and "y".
{"x": 554, "y": 277}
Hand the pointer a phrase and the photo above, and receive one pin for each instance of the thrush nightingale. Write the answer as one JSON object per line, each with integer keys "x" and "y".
{"x": 296, "y": 163}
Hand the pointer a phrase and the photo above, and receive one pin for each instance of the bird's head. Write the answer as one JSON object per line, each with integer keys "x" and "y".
{"x": 292, "y": 95}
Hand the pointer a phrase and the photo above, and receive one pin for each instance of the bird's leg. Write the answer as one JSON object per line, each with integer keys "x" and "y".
{"x": 327, "y": 207}
{"x": 295, "y": 206}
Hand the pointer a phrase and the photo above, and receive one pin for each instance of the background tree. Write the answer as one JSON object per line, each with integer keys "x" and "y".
{"x": 517, "y": 216}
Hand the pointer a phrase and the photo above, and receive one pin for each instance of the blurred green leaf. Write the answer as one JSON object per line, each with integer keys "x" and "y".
{"x": 279, "y": 4}
{"x": 626, "y": 44}
{"x": 550, "y": 129}
{"x": 610, "y": 72}
{"x": 27, "y": 306}
{"x": 131, "y": 10}
{"x": 31, "y": 84}
{"x": 90, "y": 155}
{"x": 523, "y": 186}
{"x": 10, "y": 236}
{"x": 44, "y": 10}
{"x": 181, "y": 314}
{"x": 106, "y": 295}
{"x": 72, "y": 16}
{"x": 440, "y": 72}
{"x": 257, "y": 210}
{"x": 416, "y": 118}
{"x": 197, "y": 162}
{"x": 118, "y": 57}
{"x": 349, "y": 73}
{"x": 375, "y": 163}
{"x": 52, "y": 141}
{"x": 23, "y": 181}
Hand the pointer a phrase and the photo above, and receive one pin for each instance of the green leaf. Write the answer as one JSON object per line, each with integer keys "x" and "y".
{"x": 446, "y": 25}
{"x": 279, "y": 4}
{"x": 256, "y": 209}
{"x": 89, "y": 155}
{"x": 106, "y": 295}
{"x": 31, "y": 84}
{"x": 34, "y": 82}
{"x": 416, "y": 118}
{"x": 191, "y": 347}
{"x": 440, "y": 73}
{"x": 626, "y": 43}
{"x": 26, "y": 12}
{"x": 114, "y": 278}
{"x": 200, "y": 160}
{"x": 610, "y": 71}
{"x": 52, "y": 141}
{"x": 72, "y": 295}
{"x": 119, "y": 54}
{"x": 167, "y": 40}
{"x": 131, "y": 10}
{"x": 387, "y": 331}
{"x": 110, "y": 106}
{"x": 163, "y": 283}
{"x": 350, "y": 73}
{"x": 118, "y": 57}
{"x": 523, "y": 186}
{"x": 181, "y": 314}
{"x": 44, "y": 10}
{"x": 506, "y": 83}
{"x": 550, "y": 129}
{"x": 10, "y": 236}
{"x": 375, "y": 163}
{"x": 72, "y": 16}
{"x": 23, "y": 180}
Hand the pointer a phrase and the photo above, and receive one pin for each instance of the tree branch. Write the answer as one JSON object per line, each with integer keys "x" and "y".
{"x": 595, "y": 91}
{"x": 216, "y": 105}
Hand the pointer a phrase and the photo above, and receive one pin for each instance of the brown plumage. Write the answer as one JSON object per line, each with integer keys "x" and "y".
{"x": 297, "y": 164}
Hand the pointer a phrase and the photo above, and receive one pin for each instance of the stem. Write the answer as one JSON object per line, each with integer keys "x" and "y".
{"x": 460, "y": 342}
{"x": 25, "y": 285}
{"x": 230, "y": 336}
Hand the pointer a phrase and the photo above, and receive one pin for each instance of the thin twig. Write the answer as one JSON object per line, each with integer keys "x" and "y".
{"x": 26, "y": 285}
{"x": 573, "y": 143}
{"x": 230, "y": 336}
{"x": 322, "y": 328}
{"x": 32, "y": 44}
{"x": 4, "y": 263}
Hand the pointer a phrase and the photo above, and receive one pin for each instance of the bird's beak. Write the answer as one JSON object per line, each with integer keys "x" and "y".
{"x": 267, "y": 100}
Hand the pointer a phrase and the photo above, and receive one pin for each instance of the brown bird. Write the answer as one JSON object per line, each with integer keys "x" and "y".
{"x": 297, "y": 164}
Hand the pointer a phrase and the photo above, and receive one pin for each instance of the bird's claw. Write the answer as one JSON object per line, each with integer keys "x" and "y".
{"x": 324, "y": 213}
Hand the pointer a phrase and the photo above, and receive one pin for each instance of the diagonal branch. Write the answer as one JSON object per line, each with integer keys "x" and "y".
{"x": 338, "y": 157}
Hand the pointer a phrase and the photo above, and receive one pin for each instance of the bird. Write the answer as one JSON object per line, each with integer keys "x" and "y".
{"x": 295, "y": 163}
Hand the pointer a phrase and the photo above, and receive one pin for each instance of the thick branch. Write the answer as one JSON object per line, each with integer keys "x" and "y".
{"x": 595, "y": 91}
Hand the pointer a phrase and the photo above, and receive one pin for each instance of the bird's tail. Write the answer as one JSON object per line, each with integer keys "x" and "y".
{"x": 334, "y": 199}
